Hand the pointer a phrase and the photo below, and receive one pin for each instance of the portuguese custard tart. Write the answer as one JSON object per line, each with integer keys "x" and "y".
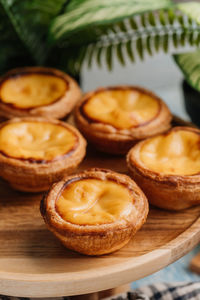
{"x": 35, "y": 152}
{"x": 113, "y": 119}
{"x": 167, "y": 168}
{"x": 95, "y": 212}
{"x": 37, "y": 91}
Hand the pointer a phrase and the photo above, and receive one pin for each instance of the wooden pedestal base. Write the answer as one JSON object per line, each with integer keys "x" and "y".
{"x": 103, "y": 294}
{"x": 195, "y": 264}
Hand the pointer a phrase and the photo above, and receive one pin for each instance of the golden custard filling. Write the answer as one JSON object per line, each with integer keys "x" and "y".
{"x": 32, "y": 90}
{"x": 176, "y": 153}
{"x": 93, "y": 202}
{"x": 121, "y": 108}
{"x": 36, "y": 140}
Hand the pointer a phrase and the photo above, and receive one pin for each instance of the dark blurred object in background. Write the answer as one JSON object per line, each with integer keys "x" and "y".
{"x": 192, "y": 102}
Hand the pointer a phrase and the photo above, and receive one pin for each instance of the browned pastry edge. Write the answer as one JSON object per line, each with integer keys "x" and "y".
{"x": 58, "y": 109}
{"x": 172, "y": 192}
{"x": 95, "y": 239}
{"x": 25, "y": 175}
{"x": 109, "y": 139}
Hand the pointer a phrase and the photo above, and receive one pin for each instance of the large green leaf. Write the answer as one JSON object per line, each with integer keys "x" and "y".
{"x": 189, "y": 63}
{"x": 30, "y": 20}
{"x": 89, "y": 30}
{"x": 83, "y": 17}
{"x": 134, "y": 38}
{"x": 101, "y": 29}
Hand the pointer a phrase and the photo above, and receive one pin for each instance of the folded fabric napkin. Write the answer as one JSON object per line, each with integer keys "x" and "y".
{"x": 159, "y": 291}
{"x": 165, "y": 291}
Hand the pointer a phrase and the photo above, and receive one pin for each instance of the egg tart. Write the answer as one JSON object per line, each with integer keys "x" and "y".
{"x": 113, "y": 119}
{"x": 95, "y": 212}
{"x": 167, "y": 168}
{"x": 37, "y": 91}
{"x": 35, "y": 152}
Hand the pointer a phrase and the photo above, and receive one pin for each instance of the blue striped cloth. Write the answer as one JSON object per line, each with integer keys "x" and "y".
{"x": 176, "y": 272}
{"x": 159, "y": 291}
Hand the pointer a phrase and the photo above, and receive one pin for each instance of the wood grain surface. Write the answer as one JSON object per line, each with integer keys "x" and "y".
{"x": 34, "y": 263}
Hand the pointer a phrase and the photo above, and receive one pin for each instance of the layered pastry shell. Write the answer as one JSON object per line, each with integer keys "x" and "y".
{"x": 173, "y": 181}
{"x": 37, "y": 91}
{"x": 95, "y": 238}
{"x": 107, "y": 137}
{"x": 28, "y": 173}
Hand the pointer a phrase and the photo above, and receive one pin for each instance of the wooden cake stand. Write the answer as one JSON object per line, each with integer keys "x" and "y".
{"x": 34, "y": 263}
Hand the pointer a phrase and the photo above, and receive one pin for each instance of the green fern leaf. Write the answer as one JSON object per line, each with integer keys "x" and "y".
{"x": 140, "y": 48}
{"x": 157, "y": 42}
{"x": 105, "y": 30}
{"x": 109, "y": 57}
{"x": 113, "y": 29}
{"x": 81, "y": 58}
{"x": 166, "y": 43}
{"x": 122, "y": 26}
{"x": 175, "y": 39}
{"x": 183, "y": 38}
{"x": 180, "y": 19}
{"x": 130, "y": 50}
{"x": 133, "y": 24}
{"x": 108, "y": 26}
{"x": 143, "y": 20}
{"x": 120, "y": 54}
{"x": 171, "y": 16}
{"x": 90, "y": 52}
{"x": 162, "y": 17}
{"x": 148, "y": 45}
{"x": 191, "y": 38}
{"x": 99, "y": 56}
{"x": 151, "y": 18}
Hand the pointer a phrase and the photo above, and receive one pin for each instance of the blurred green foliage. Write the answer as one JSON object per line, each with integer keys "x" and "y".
{"x": 66, "y": 34}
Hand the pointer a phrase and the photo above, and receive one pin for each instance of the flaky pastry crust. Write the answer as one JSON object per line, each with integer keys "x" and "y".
{"x": 58, "y": 109}
{"x": 171, "y": 192}
{"x": 32, "y": 176}
{"x": 109, "y": 139}
{"x": 95, "y": 239}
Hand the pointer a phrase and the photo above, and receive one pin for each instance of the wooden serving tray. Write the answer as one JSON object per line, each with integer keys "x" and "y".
{"x": 34, "y": 263}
